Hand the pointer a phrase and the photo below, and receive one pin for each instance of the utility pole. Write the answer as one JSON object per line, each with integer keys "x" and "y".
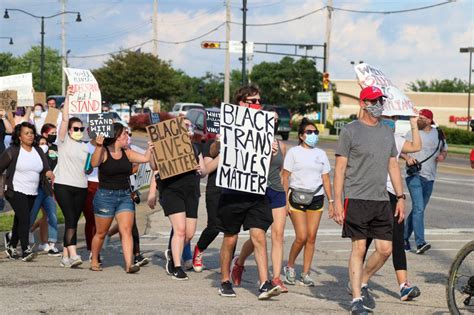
{"x": 155, "y": 28}
{"x": 328, "y": 115}
{"x": 227, "y": 54}
{"x": 63, "y": 50}
{"x": 244, "y": 41}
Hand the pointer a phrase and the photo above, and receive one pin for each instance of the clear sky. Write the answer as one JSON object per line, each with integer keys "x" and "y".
{"x": 416, "y": 45}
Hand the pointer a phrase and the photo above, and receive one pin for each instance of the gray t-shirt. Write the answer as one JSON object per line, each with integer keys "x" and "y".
{"x": 429, "y": 143}
{"x": 72, "y": 157}
{"x": 368, "y": 150}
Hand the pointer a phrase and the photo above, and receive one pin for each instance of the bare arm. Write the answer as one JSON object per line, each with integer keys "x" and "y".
{"x": 151, "y": 200}
{"x": 6, "y": 122}
{"x": 99, "y": 152}
{"x": 396, "y": 178}
{"x": 136, "y": 157}
{"x": 415, "y": 144}
{"x": 65, "y": 114}
{"x": 202, "y": 167}
{"x": 285, "y": 179}
{"x": 339, "y": 173}
{"x": 211, "y": 163}
{"x": 327, "y": 189}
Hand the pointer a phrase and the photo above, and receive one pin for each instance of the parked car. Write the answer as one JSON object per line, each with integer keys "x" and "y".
{"x": 124, "y": 113}
{"x": 198, "y": 116}
{"x": 182, "y": 108}
{"x": 284, "y": 117}
{"x": 139, "y": 110}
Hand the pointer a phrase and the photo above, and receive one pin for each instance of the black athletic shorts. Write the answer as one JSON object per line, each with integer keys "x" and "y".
{"x": 367, "y": 219}
{"x": 183, "y": 199}
{"x": 316, "y": 204}
{"x": 247, "y": 210}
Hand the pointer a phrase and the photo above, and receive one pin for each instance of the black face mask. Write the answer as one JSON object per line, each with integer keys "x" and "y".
{"x": 276, "y": 127}
{"x": 51, "y": 138}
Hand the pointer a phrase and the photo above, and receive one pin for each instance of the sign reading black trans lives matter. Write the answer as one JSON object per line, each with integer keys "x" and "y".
{"x": 246, "y": 137}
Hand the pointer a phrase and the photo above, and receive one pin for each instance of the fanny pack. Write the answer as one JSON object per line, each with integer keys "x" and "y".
{"x": 303, "y": 196}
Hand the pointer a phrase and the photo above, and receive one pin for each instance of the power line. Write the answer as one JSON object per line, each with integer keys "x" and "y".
{"x": 284, "y": 21}
{"x": 149, "y": 41}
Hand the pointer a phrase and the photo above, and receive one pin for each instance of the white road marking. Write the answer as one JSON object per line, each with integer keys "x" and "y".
{"x": 453, "y": 200}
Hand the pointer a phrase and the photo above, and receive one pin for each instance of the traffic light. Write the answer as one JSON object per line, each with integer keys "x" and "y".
{"x": 210, "y": 45}
{"x": 326, "y": 81}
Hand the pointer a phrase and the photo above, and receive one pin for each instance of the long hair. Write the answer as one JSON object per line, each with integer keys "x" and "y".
{"x": 118, "y": 129}
{"x": 17, "y": 131}
{"x": 303, "y": 124}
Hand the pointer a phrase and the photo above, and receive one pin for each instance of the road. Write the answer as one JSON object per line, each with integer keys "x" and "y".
{"x": 44, "y": 287}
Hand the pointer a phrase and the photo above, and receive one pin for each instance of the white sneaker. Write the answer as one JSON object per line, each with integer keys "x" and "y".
{"x": 53, "y": 251}
{"x": 31, "y": 238}
{"x": 44, "y": 247}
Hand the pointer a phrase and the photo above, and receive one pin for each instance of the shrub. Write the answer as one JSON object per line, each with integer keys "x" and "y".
{"x": 458, "y": 136}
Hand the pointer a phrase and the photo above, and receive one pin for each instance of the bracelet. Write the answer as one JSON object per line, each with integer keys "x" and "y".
{"x": 331, "y": 200}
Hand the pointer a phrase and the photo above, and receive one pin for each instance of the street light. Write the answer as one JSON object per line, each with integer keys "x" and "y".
{"x": 353, "y": 62}
{"x": 78, "y": 19}
{"x": 67, "y": 54}
{"x": 469, "y": 50}
{"x": 10, "y": 38}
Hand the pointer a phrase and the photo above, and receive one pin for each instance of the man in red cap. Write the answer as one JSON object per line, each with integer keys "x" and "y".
{"x": 420, "y": 181}
{"x": 365, "y": 155}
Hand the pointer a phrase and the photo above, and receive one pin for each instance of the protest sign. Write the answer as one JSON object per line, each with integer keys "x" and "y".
{"x": 174, "y": 153}
{"x": 246, "y": 137}
{"x": 213, "y": 121}
{"x": 40, "y": 98}
{"x": 143, "y": 176}
{"x": 397, "y": 103}
{"x": 23, "y": 85}
{"x": 101, "y": 124}
{"x": 8, "y": 100}
{"x": 52, "y": 116}
{"x": 154, "y": 118}
{"x": 86, "y": 98}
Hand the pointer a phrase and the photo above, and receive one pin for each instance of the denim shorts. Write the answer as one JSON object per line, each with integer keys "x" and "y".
{"x": 107, "y": 203}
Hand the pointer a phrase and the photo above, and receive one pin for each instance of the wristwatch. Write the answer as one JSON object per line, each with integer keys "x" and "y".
{"x": 402, "y": 196}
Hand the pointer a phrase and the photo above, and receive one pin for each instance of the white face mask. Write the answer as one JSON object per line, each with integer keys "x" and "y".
{"x": 38, "y": 113}
{"x": 44, "y": 147}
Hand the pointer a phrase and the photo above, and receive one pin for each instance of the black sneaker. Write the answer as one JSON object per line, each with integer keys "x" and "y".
{"x": 226, "y": 289}
{"x": 422, "y": 248}
{"x": 28, "y": 255}
{"x": 11, "y": 252}
{"x": 267, "y": 290}
{"x": 357, "y": 308}
{"x": 179, "y": 274}
{"x": 6, "y": 239}
{"x": 140, "y": 260}
{"x": 367, "y": 298}
{"x": 407, "y": 245}
{"x": 169, "y": 262}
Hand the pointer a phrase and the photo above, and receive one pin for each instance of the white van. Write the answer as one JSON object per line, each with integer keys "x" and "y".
{"x": 182, "y": 108}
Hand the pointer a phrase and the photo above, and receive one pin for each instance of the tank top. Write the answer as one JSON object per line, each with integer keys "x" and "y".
{"x": 276, "y": 163}
{"x": 114, "y": 174}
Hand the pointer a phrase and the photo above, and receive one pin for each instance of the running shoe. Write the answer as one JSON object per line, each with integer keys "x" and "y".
{"x": 357, "y": 308}
{"x": 290, "y": 275}
{"x": 75, "y": 261}
{"x": 367, "y": 298}
{"x": 11, "y": 252}
{"x": 278, "y": 282}
{"x": 267, "y": 290}
{"x": 53, "y": 251}
{"x": 197, "y": 259}
{"x": 28, "y": 254}
{"x": 226, "y": 289}
{"x": 407, "y": 245}
{"x": 6, "y": 239}
{"x": 409, "y": 292}
{"x": 179, "y": 274}
{"x": 64, "y": 262}
{"x": 43, "y": 247}
{"x": 141, "y": 260}
{"x": 306, "y": 280}
{"x": 423, "y": 248}
{"x": 169, "y": 267}
{"x": 133, "y": 269}
{"x": 236, "y": 271}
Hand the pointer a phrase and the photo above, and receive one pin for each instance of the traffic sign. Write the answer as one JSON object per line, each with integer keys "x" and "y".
{"x": 235, "y": 47}
{"x": 324, "y": 97}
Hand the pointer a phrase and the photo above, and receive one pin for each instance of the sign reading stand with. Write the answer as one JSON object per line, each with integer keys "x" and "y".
{"x": 173, "y": 152}
{"x": 86, "y": 98}
{"x": 246, "y": 137}
{"x": 397, "y": 103}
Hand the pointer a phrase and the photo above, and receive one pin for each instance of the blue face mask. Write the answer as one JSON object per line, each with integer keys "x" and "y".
{"x": 388, "y": 122}
{"x": 311, "y": 140}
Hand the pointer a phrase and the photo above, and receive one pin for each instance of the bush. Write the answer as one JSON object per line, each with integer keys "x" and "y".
{"x": 458, "y": 136}
{"x": 140, "y": 121}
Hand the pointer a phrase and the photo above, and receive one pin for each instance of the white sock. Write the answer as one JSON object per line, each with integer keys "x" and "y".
{"x": 403, "y": 284}
{"x": 363, "y": 285}
{"x": 357, "y": 299}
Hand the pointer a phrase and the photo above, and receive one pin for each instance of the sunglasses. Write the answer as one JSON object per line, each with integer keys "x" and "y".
{"x": 380, "y": 100}
{"x": 76, "y": 129}
{"x": 253, "y": 101}
{"x": 309, "y": 132}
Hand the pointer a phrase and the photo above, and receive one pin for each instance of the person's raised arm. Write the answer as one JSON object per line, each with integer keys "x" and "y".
{"x": 65, "y": 114}
{"x": 415, "y": 144}
{"x": 136, "y": 157}
{"x": 99, "y": 152}
{"x": 6, "y": 122}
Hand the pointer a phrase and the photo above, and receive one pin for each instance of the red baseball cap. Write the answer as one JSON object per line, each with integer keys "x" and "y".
{"x": 371, "y": 93}
{"x": 427, "y": 113}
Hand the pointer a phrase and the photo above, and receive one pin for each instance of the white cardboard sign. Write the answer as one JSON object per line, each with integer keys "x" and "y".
{"x": 397, "y": 102}
{"x": 23, "y": 85}
{"x": 86, "y": 98}
{"x": 246, "y": 137}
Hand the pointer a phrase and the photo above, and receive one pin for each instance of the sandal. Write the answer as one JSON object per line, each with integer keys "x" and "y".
{"x": 133, "y": 269}
{"x": 95, "y": 268}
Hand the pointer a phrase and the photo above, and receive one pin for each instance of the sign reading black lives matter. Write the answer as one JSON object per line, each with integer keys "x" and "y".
{"x": 174, "y": 153}
{"x": 246, "y": 147}
{"x": 101, "y": 124}
{"x": 213, "y": 121}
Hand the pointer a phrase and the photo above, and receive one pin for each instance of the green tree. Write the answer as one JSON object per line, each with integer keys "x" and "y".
{"x": 131, "y": 77}
{"x": 30, "y": 62}
{"x": 207, "y": 90}
{"x": 449, "y": 86}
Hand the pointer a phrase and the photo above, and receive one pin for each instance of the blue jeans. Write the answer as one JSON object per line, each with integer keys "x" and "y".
{"x": 49, "y": 205}
{"x": 420, "y": 192}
